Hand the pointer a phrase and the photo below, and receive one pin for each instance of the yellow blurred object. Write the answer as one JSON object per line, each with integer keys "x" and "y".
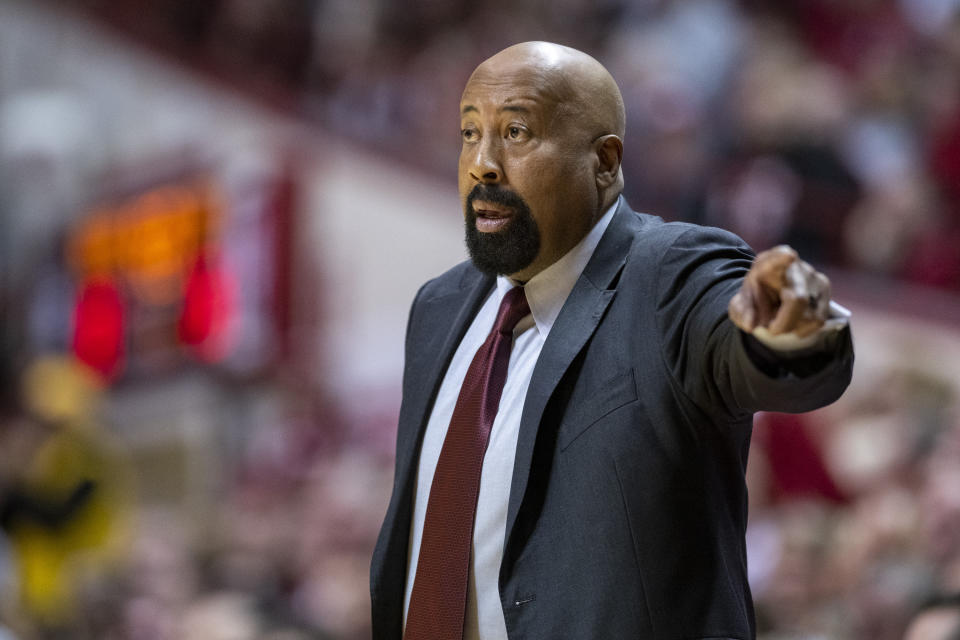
{"x": 53, "y": 561}
{"x": 61, "y": 390}
{"x": 78, "y": 471}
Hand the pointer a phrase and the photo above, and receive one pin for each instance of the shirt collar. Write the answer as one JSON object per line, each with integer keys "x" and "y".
{"x": 548, "y": 290}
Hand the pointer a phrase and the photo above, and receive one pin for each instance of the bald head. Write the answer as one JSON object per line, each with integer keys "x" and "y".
{"x": 583, "y": 86}
{"x": 542, "y": 127}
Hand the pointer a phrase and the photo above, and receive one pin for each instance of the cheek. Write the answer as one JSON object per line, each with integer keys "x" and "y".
{"x": 464, "y": 183}
{"x": 537, "y": 178}
{"x": 572, "y": 185}
{"x": 583, "y": 182}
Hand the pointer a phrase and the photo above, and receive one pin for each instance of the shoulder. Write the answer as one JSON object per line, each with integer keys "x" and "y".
{"x": 652, "y": 237}
{"x": 450, "y": 281}
{"x": 659, "y": 237}
{"x": 682, "y": 261}
{"x": 452, "y": 285}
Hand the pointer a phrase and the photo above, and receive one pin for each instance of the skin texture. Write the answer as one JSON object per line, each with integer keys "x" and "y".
{"x": 545, "y": 123}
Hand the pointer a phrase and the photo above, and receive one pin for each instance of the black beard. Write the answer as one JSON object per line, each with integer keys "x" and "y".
{"x": 502, "y": 252}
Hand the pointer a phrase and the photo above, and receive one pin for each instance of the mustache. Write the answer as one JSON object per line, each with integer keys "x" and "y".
{"x": 495, "y": 195}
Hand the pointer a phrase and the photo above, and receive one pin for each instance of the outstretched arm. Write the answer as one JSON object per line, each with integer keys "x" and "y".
{"x": 750, "y": 333}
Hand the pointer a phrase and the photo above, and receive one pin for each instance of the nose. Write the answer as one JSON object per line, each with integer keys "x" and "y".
{"x": 485, "y": 165}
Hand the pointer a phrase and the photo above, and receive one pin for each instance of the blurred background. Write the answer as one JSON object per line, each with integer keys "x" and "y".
{"x": 215, "y": 213}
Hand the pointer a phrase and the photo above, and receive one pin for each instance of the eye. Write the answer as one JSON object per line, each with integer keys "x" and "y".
{"x": 516, "y": 133}
{"x": 468, "y": 134}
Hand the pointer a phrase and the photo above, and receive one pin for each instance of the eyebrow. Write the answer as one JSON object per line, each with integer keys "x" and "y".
{"x": 509, "y": 107}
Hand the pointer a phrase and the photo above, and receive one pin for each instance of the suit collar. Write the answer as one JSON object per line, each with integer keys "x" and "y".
{"x": 611, "y": 252}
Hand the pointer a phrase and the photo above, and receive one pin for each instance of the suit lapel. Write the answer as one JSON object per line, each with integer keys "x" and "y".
{"x": 449, "y": 316}
{"x": 577, "y": 321}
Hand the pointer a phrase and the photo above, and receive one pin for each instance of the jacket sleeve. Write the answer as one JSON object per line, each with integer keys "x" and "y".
{"x": 719, "y": 367}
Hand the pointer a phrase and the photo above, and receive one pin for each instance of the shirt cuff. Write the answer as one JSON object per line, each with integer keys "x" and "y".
{"x": 838, "y": 319}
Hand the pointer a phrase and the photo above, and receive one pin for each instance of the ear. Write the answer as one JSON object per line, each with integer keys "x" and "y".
{"x": 609, "y": 150}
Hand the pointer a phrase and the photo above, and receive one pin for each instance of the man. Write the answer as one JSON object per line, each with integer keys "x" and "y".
{"x": 578, "y": 470}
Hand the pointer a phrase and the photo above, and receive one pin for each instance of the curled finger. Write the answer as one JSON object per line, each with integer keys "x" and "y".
{"x": 790, "y": 314}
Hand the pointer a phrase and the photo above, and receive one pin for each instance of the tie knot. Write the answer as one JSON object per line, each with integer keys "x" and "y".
{"x": 513, "y": 307}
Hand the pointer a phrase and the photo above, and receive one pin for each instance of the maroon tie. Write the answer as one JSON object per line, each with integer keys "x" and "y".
{"x": 439, "y": 599}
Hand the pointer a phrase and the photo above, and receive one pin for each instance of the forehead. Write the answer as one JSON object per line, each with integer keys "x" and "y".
{"x": 521, "y": 86}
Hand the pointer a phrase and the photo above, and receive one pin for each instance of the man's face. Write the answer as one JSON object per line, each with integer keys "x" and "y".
{"x": 525, "y": 176}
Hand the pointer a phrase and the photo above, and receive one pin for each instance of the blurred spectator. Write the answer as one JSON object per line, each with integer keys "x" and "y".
{"x": 65, "y": 496}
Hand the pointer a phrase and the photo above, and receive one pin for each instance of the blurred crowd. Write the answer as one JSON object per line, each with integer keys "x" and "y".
{"x": 282, "y": 555}
{"x": 831, "y": 125}
{"x": 855, "y": 512}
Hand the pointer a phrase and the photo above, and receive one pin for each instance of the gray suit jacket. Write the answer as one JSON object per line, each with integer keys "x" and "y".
{"x": 628, "y": 506}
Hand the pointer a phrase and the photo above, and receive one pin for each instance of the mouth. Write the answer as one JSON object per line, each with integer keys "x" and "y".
{"x": 491, "y": 217}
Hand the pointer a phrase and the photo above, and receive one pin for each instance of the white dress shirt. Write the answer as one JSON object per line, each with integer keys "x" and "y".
{"x": 546, "y": 293}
